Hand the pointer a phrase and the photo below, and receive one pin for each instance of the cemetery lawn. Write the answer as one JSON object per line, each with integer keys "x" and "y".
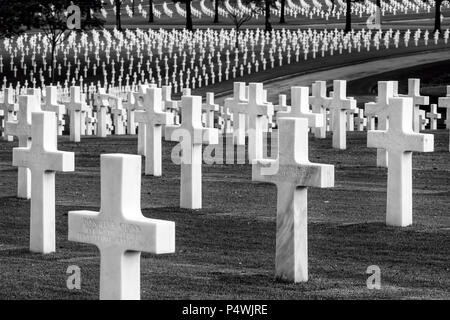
{"x": 227, "y": 249}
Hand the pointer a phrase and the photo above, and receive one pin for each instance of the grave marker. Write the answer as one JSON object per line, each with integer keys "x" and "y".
{"x": 292, "y": 173}
{"x": 22, "y": 130}
{"x": 400, "y": 141}
{"x": 191, "y": 136}
{"x": 43, "y": 159}
{"x": 119, "y": 230}
{"x": 152, "y": 117}
{"x": 380, "y": 109}
{"x": 338, "y": 105}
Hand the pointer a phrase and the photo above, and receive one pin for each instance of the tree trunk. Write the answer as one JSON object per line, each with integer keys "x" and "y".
{"x": 437, "y": 18}
{"x": 188, "y": 15}
{"x": 118, "y": 19}
{"x": 52, "y": 59}
{"x": 216, "y": 11}
{"x": 150, "y": 11}
{"x": 348, "y": 17}
{"x": 88, "y": 15}
{"x": 283, "y": 4}
{"x": 268, "y": 24}
{"x": 132, "y": 7}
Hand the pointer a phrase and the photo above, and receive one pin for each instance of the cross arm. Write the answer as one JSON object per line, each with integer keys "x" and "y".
{"x": 165, "y": 118}
{"x": 80, "y": 224}
{"x": 306, "y": 175}
{"x": 265, "y": 109}
{"x": 444, "y": 102}
{"x": 405, "y": 142}
{"x": 140, "y": 116}
{"x": 140, "y": 234}
{"x": 59, "y": 161}
{"x": 21, "y": 157}
{"x": 210, "y": 136}
{"x": 173, "y": 133}
{"x": 11, "y": 128}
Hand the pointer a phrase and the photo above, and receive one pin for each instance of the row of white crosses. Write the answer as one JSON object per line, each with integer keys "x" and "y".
{"x": 120, "y": 174}
{"x": 179, "y": 58}
{"x": 341, "y": 110}
{"x": 311, "y": 9}
{"x": 292, "y": 172}
{"x": 119, "y": 230}
{"x": 444, "y": 102}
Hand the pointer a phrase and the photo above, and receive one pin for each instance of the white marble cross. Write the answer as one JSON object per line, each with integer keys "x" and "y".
{"x": 153, "y": 118}
{"x": 209, "y": 107}
{"x": 400, "y": 141}
{"x": 191, "y": 136}
{"x": 292, "y": 173}
{"x": 142, "y": 132}
{"x": 119, "y": 114}
{"x": 51, "y": 104}
{"x": 282, "y": 105}
{"x": 102, "y": 102}
{"x": 169, "y": 104}
{"x": 130, "y": 106}
{"x": 91, "y": 122}
{"x": 380, "y": 109}
{"x": 76, "y": 106}
{"x": 338, "y": 105}
{"x": 119, "y": 230}
{"x": 8, "y": 107}
{"x": 257, "y": 111}
{"x": 360, "y": 120}
{"x": 22, "y": 130}
{"x": 239, "y": 112}
{"x": 418, "y": 100}
{"x": 444, "y": 102}
{"x": 300, "y": 108}
{"x": 320, "y": 103}
{"x": 43, "y": 159}
{"x": 433, "y": 115}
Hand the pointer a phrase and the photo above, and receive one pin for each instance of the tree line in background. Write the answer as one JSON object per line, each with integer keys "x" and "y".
{"x": 259, "y": 7}
{"x": 21, "y": 15}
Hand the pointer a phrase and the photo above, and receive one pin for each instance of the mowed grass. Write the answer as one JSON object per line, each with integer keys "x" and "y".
{"x": 227, "y": 249}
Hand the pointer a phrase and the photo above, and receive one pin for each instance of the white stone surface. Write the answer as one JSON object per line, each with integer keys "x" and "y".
{"x": 400, "y": 141}
{"x": 191, "y": 136}
{"x": 418, "y": 100}
{"x": 380, "y": 109}
{"x": 209, "y": 107}
{"x": 338, "y": 106}
{"x": 51, "y": 104}
{"x": 76, "y": 106}
{"x": 292, "y": 173}
{"x": 300, "y": 108}
{"x": 22, "y": 130}
{"x": 257, "y": 109}
{"x": 320, "y": 103}
{"x": 444, "y": 102}
{"x": 239, "y": 112}
{"x": 119, "y": 230}
{"x": 43, "y": 159}
{"x": 8, "y": 108}
{"x": 153, "y": 118}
